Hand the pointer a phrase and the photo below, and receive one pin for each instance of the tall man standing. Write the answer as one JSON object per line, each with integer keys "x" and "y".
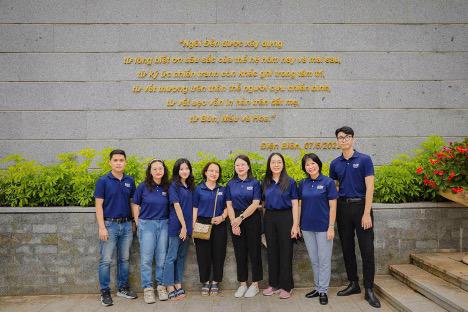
{"x": 113, "y": 194}
{"x": 353, "y": 173}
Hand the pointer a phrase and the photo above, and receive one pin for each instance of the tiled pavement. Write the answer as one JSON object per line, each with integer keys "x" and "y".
{"x": 225, "y": 302}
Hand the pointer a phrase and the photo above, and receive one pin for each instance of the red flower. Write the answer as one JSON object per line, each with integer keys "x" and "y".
{"x": 430, "y": 183}
{"x": 447, "y": 149}
{"x": 441, "y": 155}
{"x": 457, "y": 190}
{"x": 439, "y": 172}
{"x": 433, "y": 161}
{"x": 419, "y": 170}
{"x": 452, "y": 174}
{"x": 461, "y": 149}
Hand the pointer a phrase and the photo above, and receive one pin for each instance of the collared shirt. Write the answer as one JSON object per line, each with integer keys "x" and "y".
{"x": 116, "y": 194}
{"x": 243, "y": 192}
{"x": 182, "y": 195}
{"x": 204, "y": 200}
{"x": 275, "y": 199}
{"x": 315, "y": 208}
{"x": 351, "y": 174}
{"x": 154, "y": 202}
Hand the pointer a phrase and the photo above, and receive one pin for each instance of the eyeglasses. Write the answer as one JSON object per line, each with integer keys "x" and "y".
{"x": 344, "y": 138}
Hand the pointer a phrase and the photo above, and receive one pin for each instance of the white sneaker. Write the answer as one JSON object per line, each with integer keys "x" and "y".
{"x": 149, "y": 295}
{"x": 240, "y": 292}
{"x": 252, "y": 291}
{"x": 162, "y": 293}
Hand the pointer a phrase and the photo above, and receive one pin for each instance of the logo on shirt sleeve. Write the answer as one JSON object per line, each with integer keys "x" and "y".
{"x": 249, "y": 188}
{"x": 319, "y": 187}
{"x": 355, "y": 166}
{"x": 127, "y": 184}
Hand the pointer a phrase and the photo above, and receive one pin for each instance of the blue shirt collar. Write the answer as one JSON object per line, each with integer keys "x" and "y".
{"x": 111, "y": 176}
{"x": 355, "y": 155}
{"x": 319, "y": 178}
{"x": 204, "y": 187}
{"x": 237, "y": 179}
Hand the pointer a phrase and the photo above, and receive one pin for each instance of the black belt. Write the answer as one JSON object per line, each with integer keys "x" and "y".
{"x": 352, "y": 200}
{"x": 118, "y": 220}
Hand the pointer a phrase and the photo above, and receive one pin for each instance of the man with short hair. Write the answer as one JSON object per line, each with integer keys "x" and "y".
{"x": 353, "y": 173}
{"x": 113, "y": 195}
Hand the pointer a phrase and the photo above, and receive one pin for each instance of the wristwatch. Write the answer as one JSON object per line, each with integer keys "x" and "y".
{"x": 241, "y": 216}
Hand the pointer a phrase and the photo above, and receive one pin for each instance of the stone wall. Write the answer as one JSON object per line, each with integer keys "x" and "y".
{"x": 64, "y": 87}
{"x": 55, "y": 250}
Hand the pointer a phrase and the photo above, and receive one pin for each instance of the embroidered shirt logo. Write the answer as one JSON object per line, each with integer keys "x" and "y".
{"x": 319, "y": 187}
{"x": 355, "y": 165}
{"x": 220, "y": 193}
{"x": 249, "y": 188}
{"x": 163, "y": 193}
{"x": 127, "y": 184}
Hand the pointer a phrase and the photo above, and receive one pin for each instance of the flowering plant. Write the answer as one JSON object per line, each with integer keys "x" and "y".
{"x": 446, "y": 168}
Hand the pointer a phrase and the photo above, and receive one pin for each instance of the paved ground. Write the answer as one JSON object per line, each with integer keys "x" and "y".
{"x": 194, "y": 302}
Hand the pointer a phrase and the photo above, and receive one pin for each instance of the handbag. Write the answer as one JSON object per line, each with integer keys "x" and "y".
{"x": 203, "y": 231}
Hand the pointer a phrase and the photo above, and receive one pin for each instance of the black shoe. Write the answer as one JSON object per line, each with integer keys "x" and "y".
{"x": 126, "y": 293}
{"x": 372, "y": 298}
{"x": 106, "y": 299}
{"x": 323, "y": 298}
{"x": 353, "y": 288}
{"x": 314, "y": 293}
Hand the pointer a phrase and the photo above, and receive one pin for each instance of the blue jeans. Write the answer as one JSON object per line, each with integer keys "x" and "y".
{"x": 175, "y": 260}
{"x": 153, "y": 236}
{"x": 320, "y": 253}
{"x": 120, "y": 236}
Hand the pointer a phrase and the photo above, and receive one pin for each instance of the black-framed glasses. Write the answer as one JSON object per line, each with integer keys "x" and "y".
{"x": 345, "y": 138}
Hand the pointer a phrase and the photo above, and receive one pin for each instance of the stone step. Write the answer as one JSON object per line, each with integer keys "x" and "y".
{"x": 447, "y": 266}
{"x": 402, "y": 297}
{"x": 441, "y": 292}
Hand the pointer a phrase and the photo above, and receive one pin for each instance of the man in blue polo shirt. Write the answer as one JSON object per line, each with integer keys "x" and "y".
{"x": 353, "y": 173}
{"x": 113, "y": 194}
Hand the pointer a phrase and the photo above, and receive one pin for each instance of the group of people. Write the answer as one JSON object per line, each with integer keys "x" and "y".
{"x": 164, "y": 213}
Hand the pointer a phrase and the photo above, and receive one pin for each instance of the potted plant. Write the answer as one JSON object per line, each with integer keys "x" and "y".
{"x": 446, "y": 171}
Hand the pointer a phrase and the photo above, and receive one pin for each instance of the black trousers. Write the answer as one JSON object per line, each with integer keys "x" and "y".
{"x": 348, "y": 217}
{"x": 249, "y": 246}
{"x": 211, "y": 253}
{"x": 278, "y": 224}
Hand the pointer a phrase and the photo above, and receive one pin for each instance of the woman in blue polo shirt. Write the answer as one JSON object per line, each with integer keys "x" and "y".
{"x": 180, "y": 227}
{"x": 151, "y": 213}
{"x": 317, "y": 194}
{"x": 281, "y": 225}
{"x": 211, "y": 253}
{"x": 243, "y": 195}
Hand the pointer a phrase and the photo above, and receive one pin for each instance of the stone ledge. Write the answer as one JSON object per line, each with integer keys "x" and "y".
{"x": 75, "y": 209}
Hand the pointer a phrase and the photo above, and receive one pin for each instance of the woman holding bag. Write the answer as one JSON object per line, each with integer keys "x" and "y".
{"x": 209, "y": 208}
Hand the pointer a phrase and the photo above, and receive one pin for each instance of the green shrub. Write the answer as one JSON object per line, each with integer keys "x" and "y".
{"x": 71, "y": 181}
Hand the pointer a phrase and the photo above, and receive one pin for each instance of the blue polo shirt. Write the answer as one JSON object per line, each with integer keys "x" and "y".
{"x": 351, "y": 174}
{"x": 154, "y": 203}
{"x": 204, "y": 198}
{"x": 182, "y": 195}
{"x": 277, "y": 200}
{"x": 315, "y": 208}
{"x": 116, "y": 194}
{"x": 243, "y": 192}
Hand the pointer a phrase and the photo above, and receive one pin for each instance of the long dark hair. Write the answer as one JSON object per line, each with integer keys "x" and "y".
{"x": 247, "y": 160}
{"x": 205, "y": 169}
{"x": 176, "y": 177}
{"x": 150, "y": 184}
{"x": 284, "y": 178}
